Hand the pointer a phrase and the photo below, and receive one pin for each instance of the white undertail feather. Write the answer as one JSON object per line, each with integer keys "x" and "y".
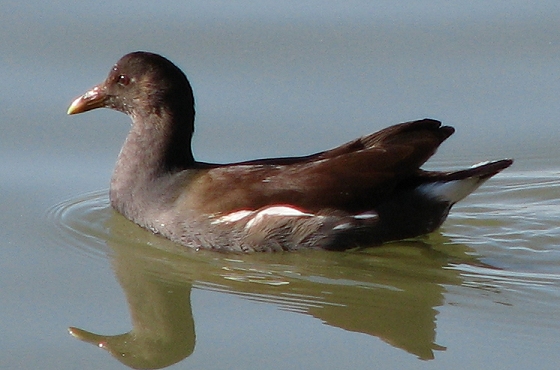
{"x": 450, "y": 191}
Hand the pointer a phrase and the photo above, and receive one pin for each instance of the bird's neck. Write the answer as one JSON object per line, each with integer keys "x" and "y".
{"x": 156, "y": 148}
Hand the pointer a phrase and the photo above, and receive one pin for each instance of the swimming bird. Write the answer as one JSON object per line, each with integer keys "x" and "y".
{"x": 368, "y": 191}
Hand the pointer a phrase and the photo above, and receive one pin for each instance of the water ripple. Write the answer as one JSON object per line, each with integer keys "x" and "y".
{"x": 81, "y": 223}
{"x": 504, "y": 278}
{"x": 513, "y": 222}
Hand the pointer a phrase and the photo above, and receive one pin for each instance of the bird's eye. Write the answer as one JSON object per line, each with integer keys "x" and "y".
{"x": 123, "y": 80}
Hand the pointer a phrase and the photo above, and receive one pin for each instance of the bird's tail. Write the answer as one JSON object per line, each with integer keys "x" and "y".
{"x": 454, "y": 186}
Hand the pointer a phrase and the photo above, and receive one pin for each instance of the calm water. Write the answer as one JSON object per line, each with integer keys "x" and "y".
{"x": 270, "y": 80}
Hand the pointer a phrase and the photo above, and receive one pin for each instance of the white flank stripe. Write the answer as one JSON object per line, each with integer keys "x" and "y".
{"x": 342, "y": 226}
{"x": 232, "y": 217}
{"x": 365, "y": 216}
{"x": 280, "y": 211}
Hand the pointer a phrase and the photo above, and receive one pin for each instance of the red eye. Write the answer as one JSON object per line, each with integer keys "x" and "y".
{"x": 123, "y": 80}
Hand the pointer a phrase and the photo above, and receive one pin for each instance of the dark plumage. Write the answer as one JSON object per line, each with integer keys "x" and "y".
{"x": 367, "y": 191}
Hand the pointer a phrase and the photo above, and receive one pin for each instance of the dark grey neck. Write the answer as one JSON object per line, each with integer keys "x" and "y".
{"x": 156, "y": 147}
{"x": 178, "y": 153}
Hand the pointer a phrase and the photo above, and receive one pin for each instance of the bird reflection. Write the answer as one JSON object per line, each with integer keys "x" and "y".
{"x": 391, "y": 292}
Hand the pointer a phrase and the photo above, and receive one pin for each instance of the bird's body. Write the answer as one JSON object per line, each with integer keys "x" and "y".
{"x": 367, "y": 191}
